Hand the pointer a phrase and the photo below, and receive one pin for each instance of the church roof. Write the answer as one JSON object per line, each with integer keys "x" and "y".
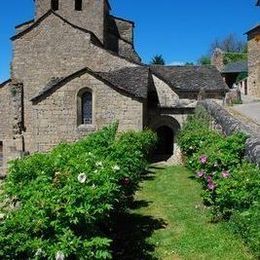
{"x": 254, "y": 29}
{"x": 131, "y": 81}
{"x": 236, "y": 67}
{"x": 190, "y": 78}
{"x": 4, "y": 83}
{"x": 134, "y": 80}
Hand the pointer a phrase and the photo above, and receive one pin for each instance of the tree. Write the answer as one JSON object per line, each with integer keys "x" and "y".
{"x": 189, "y": 64}
{"x": 158, "y": 60}
{"x": 204, "y": 60}
{"x": 229, "y": 44}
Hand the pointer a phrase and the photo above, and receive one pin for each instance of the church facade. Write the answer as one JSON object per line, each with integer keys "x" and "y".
{"x": 75, "y": 70}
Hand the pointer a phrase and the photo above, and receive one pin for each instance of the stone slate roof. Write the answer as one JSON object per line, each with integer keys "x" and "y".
{"x": 4, "y": 83}
{"x": 190, "y": 78}
{"x": 236, "y": 67}
{"x": 134, "y": 80}
{"x": 254, "y": 29}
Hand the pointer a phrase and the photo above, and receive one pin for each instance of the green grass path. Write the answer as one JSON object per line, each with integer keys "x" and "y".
{"x": 170, "y": 222}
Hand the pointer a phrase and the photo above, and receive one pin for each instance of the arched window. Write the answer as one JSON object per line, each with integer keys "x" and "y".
{"x": 86, "y": 108}
{"x": 78, "y": 5}
{"x": 54, "y": 5}
{"x": 1, "y": 154}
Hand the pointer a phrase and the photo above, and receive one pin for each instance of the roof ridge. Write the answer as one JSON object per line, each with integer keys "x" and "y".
{"x": 47, "y": 14}
{"x": 63, "y": 80}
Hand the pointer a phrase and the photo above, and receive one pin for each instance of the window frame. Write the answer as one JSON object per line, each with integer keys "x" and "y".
{"x": 80, "y": 115}
{"x": 78, "y": 5}
{"x": 54, "y": 5}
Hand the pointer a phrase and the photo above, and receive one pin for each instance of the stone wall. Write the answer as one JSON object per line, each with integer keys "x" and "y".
{"x": 217, "y": 59}
{"x": 56, "y": 117}
{"x": 91, "y": 17}
{"x": 253, "y": 66}
{"x": 229, "y": 125}
{"x": 11, "y": 122}
{"x": 167, "y": 97}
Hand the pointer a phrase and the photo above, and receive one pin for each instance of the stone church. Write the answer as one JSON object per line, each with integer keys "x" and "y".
{"x": 75, "y": 70}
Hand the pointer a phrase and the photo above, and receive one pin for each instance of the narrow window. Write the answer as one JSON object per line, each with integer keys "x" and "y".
{"x": 78, "y": 5}
{"x": 55, "y": 5}
{"x": 1, "y": 154}
{"x": 86, "y": 102}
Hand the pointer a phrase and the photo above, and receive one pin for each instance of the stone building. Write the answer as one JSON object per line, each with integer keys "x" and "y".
{"x": 75, "y": 70}
{"x": 229, "y": 70}
{"x": 253, "y": 37}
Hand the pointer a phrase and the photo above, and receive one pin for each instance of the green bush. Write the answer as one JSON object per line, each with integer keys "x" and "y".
{"x": 230, "y": 57}
{"x": 59, "y": 203}
{"x": 230, "y": 185}
{"x": 246, "y": 224}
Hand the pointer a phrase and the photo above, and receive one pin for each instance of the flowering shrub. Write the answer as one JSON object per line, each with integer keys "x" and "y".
{"x": 230, "y": 185}
{"x": 58, "y": 204}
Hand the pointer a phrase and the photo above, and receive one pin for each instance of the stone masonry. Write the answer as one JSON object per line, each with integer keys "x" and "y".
{"x": 254, "y": 61}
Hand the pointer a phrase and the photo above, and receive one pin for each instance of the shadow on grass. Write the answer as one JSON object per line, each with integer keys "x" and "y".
{"x": 131, "y": 233}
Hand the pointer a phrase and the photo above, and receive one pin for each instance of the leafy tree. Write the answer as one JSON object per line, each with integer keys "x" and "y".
{"x": 204, "y": 60}
{"x": 158, "y": 60}
{"x": 189, "y": 64}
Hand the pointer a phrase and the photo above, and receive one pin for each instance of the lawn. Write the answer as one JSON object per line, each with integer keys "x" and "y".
{"x": 169, "y": 221}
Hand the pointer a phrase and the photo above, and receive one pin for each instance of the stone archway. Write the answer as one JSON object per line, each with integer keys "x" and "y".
{"x": 166, "y": 128}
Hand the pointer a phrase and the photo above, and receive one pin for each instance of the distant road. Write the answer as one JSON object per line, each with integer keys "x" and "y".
{"x": 250, "y": 110}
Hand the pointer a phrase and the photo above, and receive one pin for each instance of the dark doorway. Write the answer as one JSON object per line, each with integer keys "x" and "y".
{"x": 165, "y": 144}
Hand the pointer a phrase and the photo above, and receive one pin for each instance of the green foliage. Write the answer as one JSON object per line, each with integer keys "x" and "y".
{"x": 204, "y": 60}
{"x": 230, "y": 185}
{"x": 246, "y": 224}
{"x": 230, "y": 57}
{"x": 241, "y": 76}
{"x": 158, "y": 60}
{"x": 60, "y": 202}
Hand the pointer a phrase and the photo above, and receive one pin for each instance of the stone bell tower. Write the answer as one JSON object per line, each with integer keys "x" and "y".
{"x": 87, "y": 14}
{"x": 254, "y": 61}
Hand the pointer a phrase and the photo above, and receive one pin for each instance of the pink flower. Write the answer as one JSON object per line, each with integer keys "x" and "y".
{"x": 211, "y": 186}
{"x": 225, "y": 174}
{"x": 209, "y": 179}
{"x": 203, "y": 159}
{"x": 200, "y": 174}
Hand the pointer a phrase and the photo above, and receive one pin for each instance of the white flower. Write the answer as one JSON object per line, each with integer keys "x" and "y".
{"x": 60, "y": 256}
{"x": 93, "y": 186}
{"x": 57, "y": 174}
{"x": 82, "y": 177}
{"x": 39, "y": 252}
{"x": 2, "y": 216}
{"x": 96, "y": 171}
{"x": 99, "y": 164}
{"x": 116, "y": 168}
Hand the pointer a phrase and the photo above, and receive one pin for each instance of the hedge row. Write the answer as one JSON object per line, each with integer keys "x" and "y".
{"x": 58, "y": 205}
{"x": 231, "y": 186}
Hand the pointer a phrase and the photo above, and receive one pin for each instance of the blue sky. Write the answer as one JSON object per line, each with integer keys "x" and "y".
{"x": 180, "y": 30}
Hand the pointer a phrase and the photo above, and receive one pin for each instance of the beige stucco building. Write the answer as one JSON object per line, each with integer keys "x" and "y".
{"x": 75, "y": 70}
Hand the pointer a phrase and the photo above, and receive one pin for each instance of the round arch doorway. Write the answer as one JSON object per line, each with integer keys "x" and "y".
{"x": 165, "y": 146}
